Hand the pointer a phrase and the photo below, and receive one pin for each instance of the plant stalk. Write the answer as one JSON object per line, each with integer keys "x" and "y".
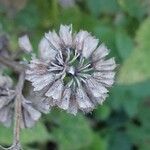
{"x": 17, "y": 116}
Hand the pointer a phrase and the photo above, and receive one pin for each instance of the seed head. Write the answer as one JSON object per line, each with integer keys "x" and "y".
{"x": 29, "y": 115}
{"x": 7, "y": 95}
{"x": 72, "y": 71}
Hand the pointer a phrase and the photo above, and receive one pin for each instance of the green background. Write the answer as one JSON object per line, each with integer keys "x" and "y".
{"x": 123, "y": 122}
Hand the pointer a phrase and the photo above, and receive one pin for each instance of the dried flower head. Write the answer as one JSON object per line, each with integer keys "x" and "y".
{"x": 72, "y": 71}
{"x": 6, "y": 97}
{"x": 39, "y": 102}
{"x": 29, "y": 115}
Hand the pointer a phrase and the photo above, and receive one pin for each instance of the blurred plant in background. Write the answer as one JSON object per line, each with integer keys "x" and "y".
{"x": 124, "y": 121}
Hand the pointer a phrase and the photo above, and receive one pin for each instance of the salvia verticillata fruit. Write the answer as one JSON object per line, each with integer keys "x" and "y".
{"x": 72, "y": 71}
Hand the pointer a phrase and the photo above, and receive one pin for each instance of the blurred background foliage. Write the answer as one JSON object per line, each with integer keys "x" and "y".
{"x": 123, "y": 122}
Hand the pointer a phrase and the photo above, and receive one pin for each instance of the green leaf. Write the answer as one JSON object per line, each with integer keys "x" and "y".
{"x": 128, "y": 97}
{"x": 144, "y": 114}
{"x": 35, "y": 134}
{"x": 98, "y": 143}
{"x": 106, "y": 35}
{"x": 73, "y": 132}
{"x": 102, "y": 113}
{"x": 124, "y": 44}
{"x": 136, "y": 67}
{"x": 6, "y": 135}
{"x": 49, "y": 13}
{"x": 70, "y": 16}
{"x": 140, "y": 131}
{"x": 134, "y": 9}
{"x": 25, "y": 17}
{"x": 139, "y": 135}
{"x": 147, "y": 6}
{"x": 119, "y": 140}
{"x": 79, "y": 19}
{"x": 100, "y": 6}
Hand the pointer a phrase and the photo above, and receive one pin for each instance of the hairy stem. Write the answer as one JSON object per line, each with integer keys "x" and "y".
{"x": 17, "y": 117}
{"x": 20, "y": 69}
